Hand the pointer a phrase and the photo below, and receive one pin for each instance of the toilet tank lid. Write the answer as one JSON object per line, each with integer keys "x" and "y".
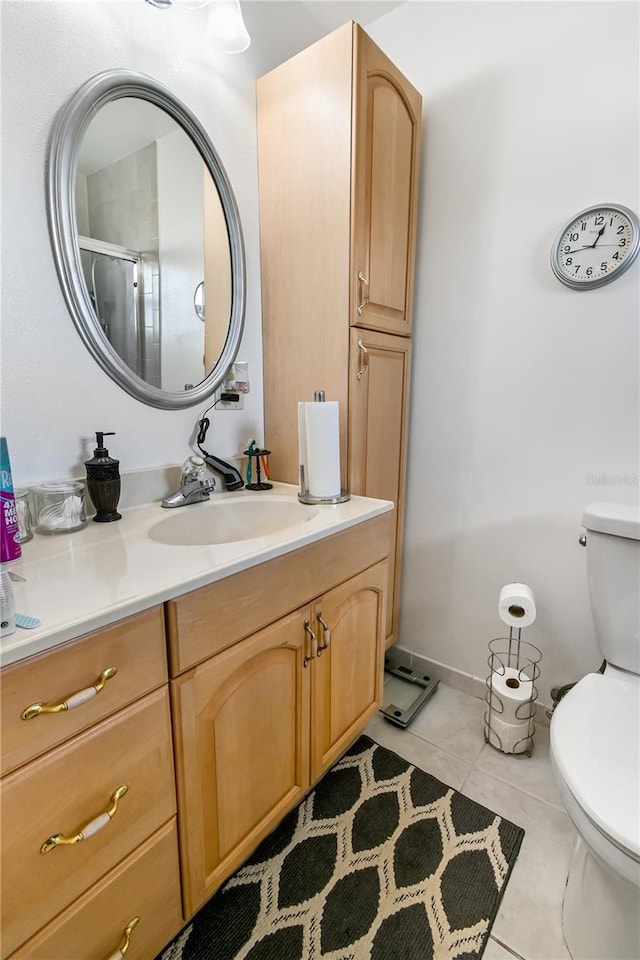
{"x": 617, "y": 519}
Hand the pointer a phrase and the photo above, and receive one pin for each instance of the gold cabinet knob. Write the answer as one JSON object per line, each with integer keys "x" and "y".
{"x": 365, "y": 300}
{"x": 124, "y": 946}
{"x": 326, "y": 633}
{"x": 363, "y": 360}
{"x": 72, "y": 701}
{"x": 89, "y": 829}
{"x": 313, "y": 644}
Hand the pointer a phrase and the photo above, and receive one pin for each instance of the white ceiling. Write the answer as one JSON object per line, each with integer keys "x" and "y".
{"x": 331, "y": 14}
{"x": 281, "y": 28}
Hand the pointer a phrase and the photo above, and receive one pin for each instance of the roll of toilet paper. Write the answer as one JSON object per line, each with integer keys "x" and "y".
{"x": 319, "y": 447}
{"x": 517, "y": 606}
{"x": 508, "y": 737}
{"x": 512, "y": 693}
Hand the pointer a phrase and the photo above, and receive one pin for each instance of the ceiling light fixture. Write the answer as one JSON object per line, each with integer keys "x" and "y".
{"x": 226, "y": 30}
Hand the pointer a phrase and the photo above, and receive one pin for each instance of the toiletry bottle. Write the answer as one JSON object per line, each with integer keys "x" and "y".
{"x": 9, "y": 530}
{"x": 9, "y": 542}
{"x": 103, "y": 481}
{"x": 7, "y": 604}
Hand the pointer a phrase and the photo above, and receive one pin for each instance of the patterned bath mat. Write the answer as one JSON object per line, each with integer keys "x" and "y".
{"x": 380, "y": 862}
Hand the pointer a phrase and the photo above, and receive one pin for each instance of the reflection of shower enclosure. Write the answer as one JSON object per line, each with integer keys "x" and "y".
{"x": 113, "y": 276}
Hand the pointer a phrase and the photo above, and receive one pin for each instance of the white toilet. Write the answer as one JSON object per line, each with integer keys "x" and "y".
{"x": 595, "y": 750}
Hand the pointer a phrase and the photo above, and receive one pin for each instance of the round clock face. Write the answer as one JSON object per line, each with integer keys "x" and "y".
{"x": 598, "y": 245}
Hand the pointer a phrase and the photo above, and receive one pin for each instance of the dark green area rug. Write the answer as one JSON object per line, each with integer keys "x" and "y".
{"x": 380, "y": 862}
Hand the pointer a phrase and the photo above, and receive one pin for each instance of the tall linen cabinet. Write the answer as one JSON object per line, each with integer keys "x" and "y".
{"x": 338, "y": 152}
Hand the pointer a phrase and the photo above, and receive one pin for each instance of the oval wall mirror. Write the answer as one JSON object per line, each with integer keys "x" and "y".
{"x": 140, "y": 211}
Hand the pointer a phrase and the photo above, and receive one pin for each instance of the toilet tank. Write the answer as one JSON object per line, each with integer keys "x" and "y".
{"x": 613, "y": 570}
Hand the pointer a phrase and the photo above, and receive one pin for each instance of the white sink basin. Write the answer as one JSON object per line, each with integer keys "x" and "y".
{"x": 228, "y": 521}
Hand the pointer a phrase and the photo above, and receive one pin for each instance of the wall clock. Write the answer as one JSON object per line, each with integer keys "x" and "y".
{"x": 596, "y": 246}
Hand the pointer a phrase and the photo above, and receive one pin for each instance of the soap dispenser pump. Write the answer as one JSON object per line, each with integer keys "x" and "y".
{"x": 103, "y": 481}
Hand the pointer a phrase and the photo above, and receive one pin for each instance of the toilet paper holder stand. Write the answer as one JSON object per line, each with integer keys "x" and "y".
{"x": 512, "y": 653}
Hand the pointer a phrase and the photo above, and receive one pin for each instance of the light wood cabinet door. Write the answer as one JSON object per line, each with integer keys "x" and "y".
{"x": 242, "y": 750}
{"x": 347, "y": 676}
{"x": 385, "y": 184}
{"x": 380, "y": 366}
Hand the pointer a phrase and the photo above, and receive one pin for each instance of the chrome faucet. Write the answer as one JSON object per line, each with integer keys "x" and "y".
{"x": 195, "y": 486}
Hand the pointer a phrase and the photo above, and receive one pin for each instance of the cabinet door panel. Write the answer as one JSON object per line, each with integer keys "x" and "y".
{"x": 388, "y": 114}
{"x": 241, "y": 751}
{"x": 347, "y": 676}
{"x": 378, "y": 415}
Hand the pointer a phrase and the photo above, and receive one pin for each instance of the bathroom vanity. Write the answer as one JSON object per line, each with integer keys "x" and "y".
{"x": 242, "y": 671}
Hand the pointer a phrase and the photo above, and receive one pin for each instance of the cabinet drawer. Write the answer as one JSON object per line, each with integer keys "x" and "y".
{"x": 64, "y": 792}
{"x": 135, "y": 646}
{"x": 145, "y": 885}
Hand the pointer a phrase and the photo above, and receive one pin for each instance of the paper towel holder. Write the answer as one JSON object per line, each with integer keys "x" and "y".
{"x": 305, "y": 497}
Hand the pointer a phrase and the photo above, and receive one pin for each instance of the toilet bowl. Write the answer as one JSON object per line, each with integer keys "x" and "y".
{"x": 595, "y": 751}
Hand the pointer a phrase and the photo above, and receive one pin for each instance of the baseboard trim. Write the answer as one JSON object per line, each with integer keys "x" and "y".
{"x": 465, "y": 682}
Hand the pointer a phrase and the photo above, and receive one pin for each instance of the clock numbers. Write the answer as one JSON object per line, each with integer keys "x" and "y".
{"x": 598, "y": 244}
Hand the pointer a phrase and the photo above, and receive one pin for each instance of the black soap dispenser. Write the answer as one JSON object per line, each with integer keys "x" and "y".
{"x": 103, "y": 481}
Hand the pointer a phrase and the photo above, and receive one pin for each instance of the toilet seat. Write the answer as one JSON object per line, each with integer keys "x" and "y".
{"x": 595, "y": 743}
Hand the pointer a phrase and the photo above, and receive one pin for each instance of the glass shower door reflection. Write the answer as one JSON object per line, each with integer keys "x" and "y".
{"x": 112, "y": 282}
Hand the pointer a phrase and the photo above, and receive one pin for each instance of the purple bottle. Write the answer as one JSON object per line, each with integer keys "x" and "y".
{"x": 9, "y": 532}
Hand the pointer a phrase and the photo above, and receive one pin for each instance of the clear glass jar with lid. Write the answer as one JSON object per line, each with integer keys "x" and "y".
{"x": 59, "y": 506}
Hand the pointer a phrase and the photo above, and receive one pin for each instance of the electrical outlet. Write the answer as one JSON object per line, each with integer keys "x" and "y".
{"x": 228, "y": 404}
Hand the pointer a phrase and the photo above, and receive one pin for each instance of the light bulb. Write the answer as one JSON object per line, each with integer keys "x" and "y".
{"x": 226, "y": 30}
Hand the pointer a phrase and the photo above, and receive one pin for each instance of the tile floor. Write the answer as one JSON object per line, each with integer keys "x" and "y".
{"x": 446, "y": 739}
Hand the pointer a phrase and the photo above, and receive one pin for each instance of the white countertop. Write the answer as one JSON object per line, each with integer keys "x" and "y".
{"x": 78, "y": 582}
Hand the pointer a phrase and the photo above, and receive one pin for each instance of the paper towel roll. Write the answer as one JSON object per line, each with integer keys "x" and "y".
{"x": 508, "y": 737}
{"x": 514, "y": 691}
{"x": 319, "y": 447}
{"x": 517, "y": 606}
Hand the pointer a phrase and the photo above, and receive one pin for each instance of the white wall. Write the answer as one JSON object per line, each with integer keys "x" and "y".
{"x": 522, "y": 388}
{"x": 54, "y": 395}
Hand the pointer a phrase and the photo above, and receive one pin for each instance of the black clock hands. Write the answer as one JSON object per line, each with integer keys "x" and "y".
{"x": 590, "y": 246}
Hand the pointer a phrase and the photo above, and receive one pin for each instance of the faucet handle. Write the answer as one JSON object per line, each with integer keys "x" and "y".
{"x": 193, "y": 468}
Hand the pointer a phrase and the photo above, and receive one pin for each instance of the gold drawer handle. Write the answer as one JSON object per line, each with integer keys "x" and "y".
{"x": 364, "y": 360}
{"x": 75, "y": 700}
{"x": 363, "y": 280}
{"x": 326, "y": 633}
{"x": 124, "y": 946}
{"x": 314, "y": 644}
{"x": 90, "y": 828}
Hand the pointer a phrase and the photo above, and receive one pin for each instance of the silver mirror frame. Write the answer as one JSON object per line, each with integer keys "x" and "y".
{"x": 66, "y": 138}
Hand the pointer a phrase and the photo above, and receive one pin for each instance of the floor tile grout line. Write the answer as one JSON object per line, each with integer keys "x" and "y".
{"x": 505, "y": 946}
{"x": 516, "y": 786}
{"x": 510, "y": 783}
{"x": 439, "y": 746}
